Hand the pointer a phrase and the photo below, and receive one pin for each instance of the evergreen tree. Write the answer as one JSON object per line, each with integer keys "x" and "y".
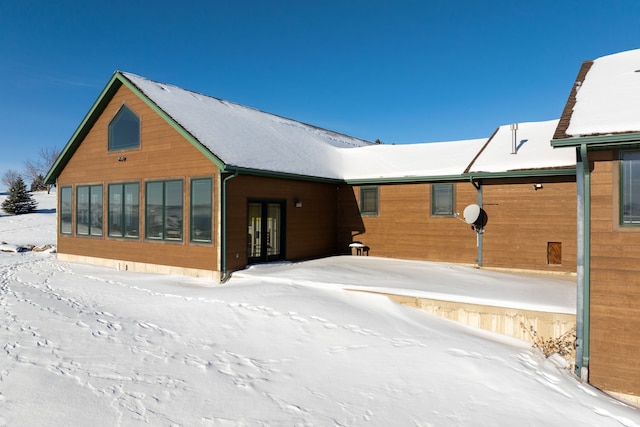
{"x": 38, "y": 184}
{"x": 19, "y": 200}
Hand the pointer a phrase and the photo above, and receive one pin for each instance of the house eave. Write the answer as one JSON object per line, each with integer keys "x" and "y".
{"x": 598, "y": 140}
{"x": 404, "y": 179}
{"x": 240, "y": 170}
{"x": 523, "y": 173}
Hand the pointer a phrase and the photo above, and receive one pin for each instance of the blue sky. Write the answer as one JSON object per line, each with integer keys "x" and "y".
{"x": 401, "y": 71}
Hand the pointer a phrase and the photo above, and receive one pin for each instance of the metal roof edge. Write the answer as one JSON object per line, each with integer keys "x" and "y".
{"x": 562, "y": 171}
{"x": 597, "y": 140}
{"x": 280, "y": 175}
{"x": 405, "y": 179}
{"x": 83, "y": 128}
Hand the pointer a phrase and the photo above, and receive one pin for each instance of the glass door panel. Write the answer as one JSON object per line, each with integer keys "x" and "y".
{"x": 273, "y": 230}
{"x": 253, "y": 234}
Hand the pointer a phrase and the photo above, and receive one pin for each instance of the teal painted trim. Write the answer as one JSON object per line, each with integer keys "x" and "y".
{"x": 565, "y": 171}
{"x": 602, "y": 140}
{"x": 116, "y": 81}
{"x": 167, "y": 118}
{"x": 83, "y": 129}
{"x": 224, "y": 274}
{"x": 279, "y": 175}
{"x": 583, "y": 309}
{"x": 528, "y": 173}
{"x": 404, "y": 179}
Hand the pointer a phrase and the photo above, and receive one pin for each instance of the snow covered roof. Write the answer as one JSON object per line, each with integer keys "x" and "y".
{"x": 241, "y": 138}
{"x": 433, "y": 159}
{"x": 533, "y": 150}
{"x": 248, "y": 138}
{"x": 244, "y": 137}
{"x": 607, "y": 100}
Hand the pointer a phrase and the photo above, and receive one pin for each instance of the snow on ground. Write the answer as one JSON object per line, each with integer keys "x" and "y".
{"x": 86, "y": 345}
{"x": 442, "y": 281}
{"x": 38, "y": 228}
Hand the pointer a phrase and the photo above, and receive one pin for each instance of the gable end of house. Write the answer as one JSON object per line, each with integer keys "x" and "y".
{"x": 115, "y": 83}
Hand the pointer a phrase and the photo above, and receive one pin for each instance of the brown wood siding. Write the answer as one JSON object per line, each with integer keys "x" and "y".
{"x": 523, "y": 221}
{"x": 163, "y": 154}
{"x": 404, "y": 227}
{"x": 615, "y": 284}
{"x": 310, "y": 230}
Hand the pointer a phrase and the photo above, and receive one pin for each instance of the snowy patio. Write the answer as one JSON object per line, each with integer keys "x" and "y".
{"x": 496, "y": 301}
{"x": 278, "y": 345}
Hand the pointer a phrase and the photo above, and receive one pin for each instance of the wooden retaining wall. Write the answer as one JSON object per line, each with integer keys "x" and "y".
{"x": 503, "y": 320}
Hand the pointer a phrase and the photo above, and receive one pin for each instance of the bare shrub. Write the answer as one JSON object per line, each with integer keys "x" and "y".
{"x": 564, "y": 345}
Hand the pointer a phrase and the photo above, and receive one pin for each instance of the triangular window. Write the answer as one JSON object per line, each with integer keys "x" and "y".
{"x": 124, "y": 130}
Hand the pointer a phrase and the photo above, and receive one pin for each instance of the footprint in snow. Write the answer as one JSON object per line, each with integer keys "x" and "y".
{"x": 100, "y": 334}
{"x": 112, "y": 326}
{"x": 104, "y": 313}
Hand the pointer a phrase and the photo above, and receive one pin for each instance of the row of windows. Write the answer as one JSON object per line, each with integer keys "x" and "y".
{"x": 442, "y": 196}
{"x": 441, "y": 200}
{"x": 163, "y": 210}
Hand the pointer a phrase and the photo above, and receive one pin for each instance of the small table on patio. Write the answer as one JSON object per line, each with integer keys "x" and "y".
{"x": 360, "y": 248}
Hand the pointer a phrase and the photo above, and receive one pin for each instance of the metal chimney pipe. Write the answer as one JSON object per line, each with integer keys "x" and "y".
{"x": 514, "y": 139}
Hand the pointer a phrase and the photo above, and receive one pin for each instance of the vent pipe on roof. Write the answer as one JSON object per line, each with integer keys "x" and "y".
{"x": 514, "y": 139}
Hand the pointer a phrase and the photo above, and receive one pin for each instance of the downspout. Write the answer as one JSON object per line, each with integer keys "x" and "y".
{"x": 583, "y": 306}
{"x": 224, "y": 274}
{"x": 478, "y": 187}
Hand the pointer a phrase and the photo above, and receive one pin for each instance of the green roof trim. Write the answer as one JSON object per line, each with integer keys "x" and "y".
{"x": 116, "y": 81}
{"x": 567, "y": 171}
{"x": 83, "y": 129}
{"x": 598, "y": 140}
{"x": 528, "y": 173}
{"x": 404, "y": 179}
{"x": 279, "y": 175}
{"x": 182, "y": 131}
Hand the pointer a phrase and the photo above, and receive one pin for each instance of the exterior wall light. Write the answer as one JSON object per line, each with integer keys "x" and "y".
{"x": 537, "y": 187}
{"x": 122, "y": 158}
{"x": 297, "y": 202}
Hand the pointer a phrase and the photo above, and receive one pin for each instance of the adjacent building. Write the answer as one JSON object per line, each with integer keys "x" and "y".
{"x": 601, "y": 122}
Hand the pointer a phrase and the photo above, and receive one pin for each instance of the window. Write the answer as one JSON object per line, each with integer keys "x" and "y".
{"x": 163, "y": 210}
{"x": 630, "y": 188}
{"x": 89, "y": 210}
{"x": 442, "y": 199}
{"x": 124, "y": 208}
{"x": 66, "y": 210}
{"x": 201, "y": 210}
{"x": 369, "y": 200}
{"x": 124, "y": 130}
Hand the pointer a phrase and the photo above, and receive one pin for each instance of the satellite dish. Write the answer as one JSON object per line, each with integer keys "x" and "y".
{"x": 471, "y": 214}
{"x": 476, "y": 216}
